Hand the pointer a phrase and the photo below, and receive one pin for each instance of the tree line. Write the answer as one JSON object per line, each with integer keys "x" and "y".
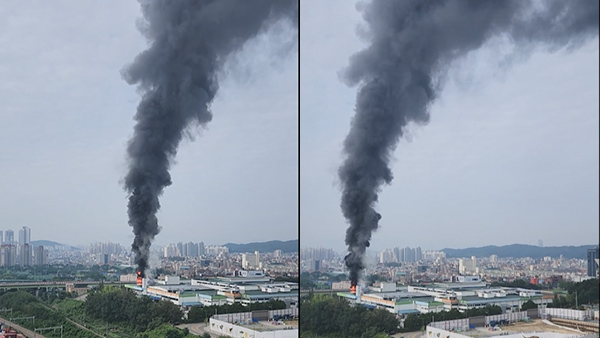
{"x": 198, "y": 314}
{"x": 334, "y": 317}
{"x": 122, "y": 306}
{"x": 24, "y": 304}
{"x": 580, "y": 293}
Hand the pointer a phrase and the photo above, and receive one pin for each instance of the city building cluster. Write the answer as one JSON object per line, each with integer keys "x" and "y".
{"x": 400, "y": 255}
{"x": 413, "y": 281}
{"x": 20, "y": 252}
{"x": 191, "y": 249}
{"x": 415, "y": 265}
{"x": 187, "y": 274}
{"x": 218, "y": 261}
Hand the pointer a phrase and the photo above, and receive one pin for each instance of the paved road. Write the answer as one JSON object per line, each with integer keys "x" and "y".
{"x": 198, "y": 329}
{"x": 415, "y": 334}
{"x": 20, "y": 329}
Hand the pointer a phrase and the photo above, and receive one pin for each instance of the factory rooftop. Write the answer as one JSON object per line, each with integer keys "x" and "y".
{"x": 220, "y": 291}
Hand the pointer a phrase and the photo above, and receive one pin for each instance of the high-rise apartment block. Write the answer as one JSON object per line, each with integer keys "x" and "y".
{"x": 8, "y": 255}
{"x": 467, "y": 266}
{"x": 317, "y": 253}
{"x": 251, "y": 261}
{"x": 592, "y": 264}
{"x": 401, "y": 255}
{"x": 24, "y": 236}
{"x": 25, "y": 254}
{"x": 9, "y": 237}
{"x": 189, "y": 249}
{"x": 40, "y": 256}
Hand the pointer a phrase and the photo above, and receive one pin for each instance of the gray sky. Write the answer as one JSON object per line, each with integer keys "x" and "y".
{"x": 510, "y": 154}
{"x": 67, "y": 117}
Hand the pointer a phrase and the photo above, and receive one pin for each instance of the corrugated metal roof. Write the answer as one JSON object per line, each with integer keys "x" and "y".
{"x": 408, "y": 311}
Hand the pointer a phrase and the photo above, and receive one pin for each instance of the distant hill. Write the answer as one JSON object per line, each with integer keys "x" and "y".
{"x": 270, "y": 246}
{"x": 50, "y": 244}
{"x": 46, "y": 243}
{"x": 521, "y": 250}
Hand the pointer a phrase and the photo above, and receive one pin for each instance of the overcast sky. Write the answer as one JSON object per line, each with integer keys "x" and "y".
{"x": 67, "y": 116}
{"x": 510, "y": 154}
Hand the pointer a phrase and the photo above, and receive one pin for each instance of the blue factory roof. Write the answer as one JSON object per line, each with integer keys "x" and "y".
{"x": 408, "y": 311}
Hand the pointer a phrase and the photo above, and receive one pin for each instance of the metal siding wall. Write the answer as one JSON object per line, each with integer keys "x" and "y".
{"x": 477, "y": 321}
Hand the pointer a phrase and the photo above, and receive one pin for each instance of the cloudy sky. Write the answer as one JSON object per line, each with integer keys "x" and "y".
{"x": 510, "y": 154}
{"x": 67, "y": 116}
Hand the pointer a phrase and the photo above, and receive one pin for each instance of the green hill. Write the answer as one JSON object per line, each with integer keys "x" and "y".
{"x": 46, "y": 243}
{"x": 270, "y": 246}
{"x": 521, "y": 250}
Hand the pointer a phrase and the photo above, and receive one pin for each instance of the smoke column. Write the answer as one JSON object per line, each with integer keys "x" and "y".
{"x": 411, "y": 45}
{"x": 177, "y": 77}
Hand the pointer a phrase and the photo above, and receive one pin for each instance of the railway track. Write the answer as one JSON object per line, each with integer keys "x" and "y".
{"x": 576, "y": 324}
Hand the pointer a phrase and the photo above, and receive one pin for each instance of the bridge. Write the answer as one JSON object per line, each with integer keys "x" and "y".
{"x": 5, "y": 285}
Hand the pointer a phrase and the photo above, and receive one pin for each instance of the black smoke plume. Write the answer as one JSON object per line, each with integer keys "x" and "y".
{"x": 177, "y": 77}
{"x": 411, "y": 45}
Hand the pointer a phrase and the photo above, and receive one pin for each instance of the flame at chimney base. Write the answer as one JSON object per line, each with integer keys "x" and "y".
{"x": 142, "y": 282}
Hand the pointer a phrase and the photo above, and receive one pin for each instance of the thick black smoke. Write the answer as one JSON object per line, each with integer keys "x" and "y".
{"x": 177, "y": 76}
{"x": 411, "y": 45}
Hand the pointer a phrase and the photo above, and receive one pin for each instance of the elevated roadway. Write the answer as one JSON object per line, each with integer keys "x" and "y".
{"x": 60, "y": 284}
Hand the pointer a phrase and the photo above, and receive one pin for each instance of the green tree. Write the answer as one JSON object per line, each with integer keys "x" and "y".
{"x": 334, "y": 317}
{"x": 529, "y": 305}
{"x": 122, "y": 306}
{"x": 306, "y": 281}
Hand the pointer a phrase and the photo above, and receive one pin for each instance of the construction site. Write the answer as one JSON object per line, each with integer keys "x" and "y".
{"x": 524, "y": 327}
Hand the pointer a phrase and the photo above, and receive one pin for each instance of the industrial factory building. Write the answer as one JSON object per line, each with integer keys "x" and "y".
{"x": 439, "y": 297}
{"x": 253, "y": 288}
{"x": 259, "y": 324}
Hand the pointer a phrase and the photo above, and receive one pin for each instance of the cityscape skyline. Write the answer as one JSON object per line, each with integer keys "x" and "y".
{"x": 208, "y": 242}
{"x": 159, "y": 246}
{"x": 300, "y": 168}
{"x": 122, "y": 242}
{"x": 498, "y": 164}
{"x": 65, "y": 167}
{"x": 510, "y": 154}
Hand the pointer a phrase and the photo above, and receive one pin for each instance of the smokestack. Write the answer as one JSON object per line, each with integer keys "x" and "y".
{"x": 401, "y": 72}
{"x": 177, "y": 77}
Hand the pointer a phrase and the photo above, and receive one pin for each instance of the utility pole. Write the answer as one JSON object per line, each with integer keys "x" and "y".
{"x": 4, "y": 310}
{"x": 32, "y": 318}
{"x": 49, "y": 328}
